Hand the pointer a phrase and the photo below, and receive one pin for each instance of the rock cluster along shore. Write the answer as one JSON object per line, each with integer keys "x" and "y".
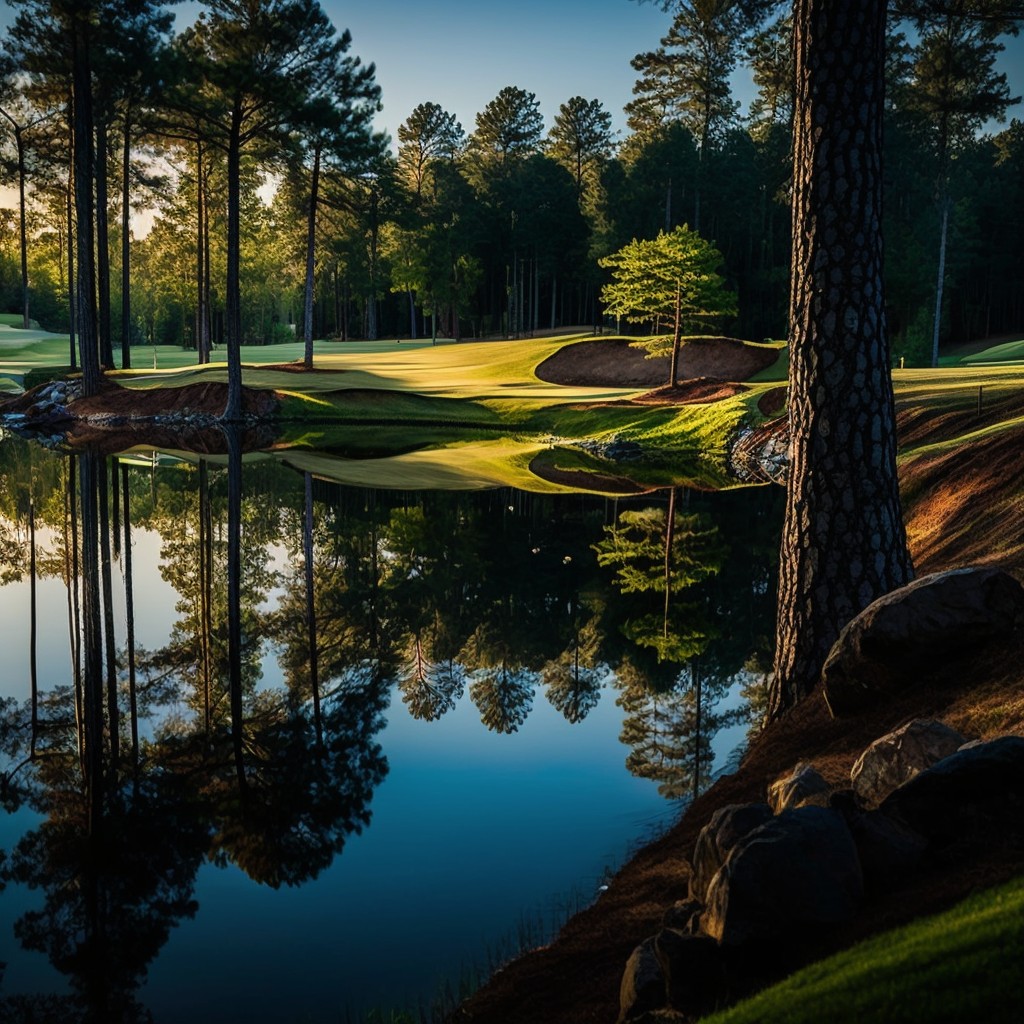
{"x": 46, "y": 419}
{"x": 50, "y": 415}
{"x": 768, "y": 877}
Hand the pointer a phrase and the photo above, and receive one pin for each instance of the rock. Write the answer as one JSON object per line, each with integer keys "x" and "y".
{"x": 643, "y": 983}
{"x": 728, "y": 825}
{"x": 966, "y": 793}
{"x": 662, "y": 1016}
{"x": 899, "y": 755}
{"x": 915, "y": 627}
{"x": 694, "y": 970}
{"x": 804, "y": 786}
{"x": 795, "y": 873}
{"x": 683, "y": 916}
{"x": 887, "y": 848}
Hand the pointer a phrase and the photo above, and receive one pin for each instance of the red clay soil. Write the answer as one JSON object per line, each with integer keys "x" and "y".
{"x": 614, "y": 362}
{"x": 700, "y": 391}
{"x": 139, "y": 406}
{"x": 773, "y": 401}
{"x": 576, "y": 978}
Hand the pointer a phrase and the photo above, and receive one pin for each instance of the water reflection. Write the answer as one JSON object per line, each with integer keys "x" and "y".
{"x": 146, "y": 763}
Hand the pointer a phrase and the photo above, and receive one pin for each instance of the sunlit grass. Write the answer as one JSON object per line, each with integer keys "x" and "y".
{"x": 964, "y": 965}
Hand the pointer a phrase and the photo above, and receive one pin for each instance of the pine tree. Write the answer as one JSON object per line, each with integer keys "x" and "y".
{"x": 675, "y": 277}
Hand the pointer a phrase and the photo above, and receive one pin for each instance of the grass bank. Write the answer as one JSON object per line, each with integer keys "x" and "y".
{"x": 966, "y": 964}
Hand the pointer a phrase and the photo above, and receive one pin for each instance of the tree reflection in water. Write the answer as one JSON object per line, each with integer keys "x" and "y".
{"x": 146, "y": 764}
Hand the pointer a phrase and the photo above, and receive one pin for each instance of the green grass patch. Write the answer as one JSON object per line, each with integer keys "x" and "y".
{"x": 1007, "y": 351}
{"x": 16, "y": 320}
{"x": 779, "y": 370}
{"x": 473, "y": 411}
{"x": 961, "y": 966}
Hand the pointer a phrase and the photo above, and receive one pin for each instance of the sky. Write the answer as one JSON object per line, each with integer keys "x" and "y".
{"x": 461, "y": 53}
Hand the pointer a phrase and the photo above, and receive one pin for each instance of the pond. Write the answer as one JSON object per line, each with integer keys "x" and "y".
{"x": 278, "y": 749}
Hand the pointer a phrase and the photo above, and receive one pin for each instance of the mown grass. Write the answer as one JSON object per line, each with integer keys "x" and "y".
{"x": 961, "y": 966}
{"x": 1008, "y": 351}
{"x": 484, "y": 410}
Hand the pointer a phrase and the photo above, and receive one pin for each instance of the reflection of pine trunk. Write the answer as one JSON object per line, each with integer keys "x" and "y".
{"x": 33, "y": 675}
{"x": 314, "y": 672}
{"x": 92, "y": 635}
{"x": 205, "y": 585}
{"x": 115, "y": 509}
{"x": 107, "y": 584}
{"x": 129, "y": 608}
{"x": 670, "y": 530}
{"x": 235, "y": 596}
{"x": 71, "y": 580}
{"x": 695, "y": 682}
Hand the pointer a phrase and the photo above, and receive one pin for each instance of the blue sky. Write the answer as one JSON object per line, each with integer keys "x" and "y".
{"x": 460, "y": 53}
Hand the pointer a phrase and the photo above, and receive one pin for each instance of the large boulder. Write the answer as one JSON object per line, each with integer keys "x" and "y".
{"x": 899, "y": 755}
{"x": 643, "y": 983}
{"x": 804, "y": 786}
{"x": 795, "y": 873}
{"x": 966, "y": 794}
{"x": 728, "y": 825}
{"x": 888, "y": 849}
{"x": 916, "y": 627}
{"x": 683, "y": 916}
{"x": 694, "y": 968}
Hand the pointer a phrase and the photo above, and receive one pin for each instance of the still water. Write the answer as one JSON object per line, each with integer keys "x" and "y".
{"x": 355, "y": 760}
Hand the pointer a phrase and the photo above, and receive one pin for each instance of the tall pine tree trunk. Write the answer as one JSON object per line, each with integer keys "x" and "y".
{"x": 307, "y": 305}
{"x": 70, "y": 218}
{"x": 202, "y": 352}
{"x": 126, "y": 249}
{"x": 103, "y": 248}
{"x": 233, "y": 298}
{"x": 843, "y": 541}
{"x": 84, "y": 176}
{"x": 22, "y": 232}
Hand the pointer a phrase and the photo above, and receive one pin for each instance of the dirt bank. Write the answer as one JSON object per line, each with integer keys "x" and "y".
{"x": 614, "y": 362}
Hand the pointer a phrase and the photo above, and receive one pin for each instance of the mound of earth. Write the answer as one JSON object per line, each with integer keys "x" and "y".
{"x": 699, "y": 391}
{"x": 118, "y": 418}
{"x": 614, "y": 362}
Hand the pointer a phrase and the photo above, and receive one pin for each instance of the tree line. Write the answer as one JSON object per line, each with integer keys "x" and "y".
{"x": 496, "y": 230}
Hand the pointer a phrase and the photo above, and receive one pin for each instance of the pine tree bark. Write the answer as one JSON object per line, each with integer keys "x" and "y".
{"x": 307, "y": 304}
{"x": 843, "y": 540}
{"x": 233, "y": 299}
{"x": 84, "y": 176}
{"x": 126, "y": 247}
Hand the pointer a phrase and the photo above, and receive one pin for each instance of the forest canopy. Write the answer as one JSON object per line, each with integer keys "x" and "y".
{"x": 303, "y": 221}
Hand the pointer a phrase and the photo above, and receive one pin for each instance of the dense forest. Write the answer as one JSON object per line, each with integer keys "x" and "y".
{"x": 275, "y": 206}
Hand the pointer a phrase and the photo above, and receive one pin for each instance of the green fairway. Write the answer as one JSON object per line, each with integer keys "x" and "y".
{"x": 1009, "y": 351}
{"x": 399, "y": 413}
{"x": 961, "y": 966}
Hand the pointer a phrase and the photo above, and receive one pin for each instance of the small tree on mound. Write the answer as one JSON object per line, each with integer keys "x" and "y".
{"x": 673, "y": 277}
